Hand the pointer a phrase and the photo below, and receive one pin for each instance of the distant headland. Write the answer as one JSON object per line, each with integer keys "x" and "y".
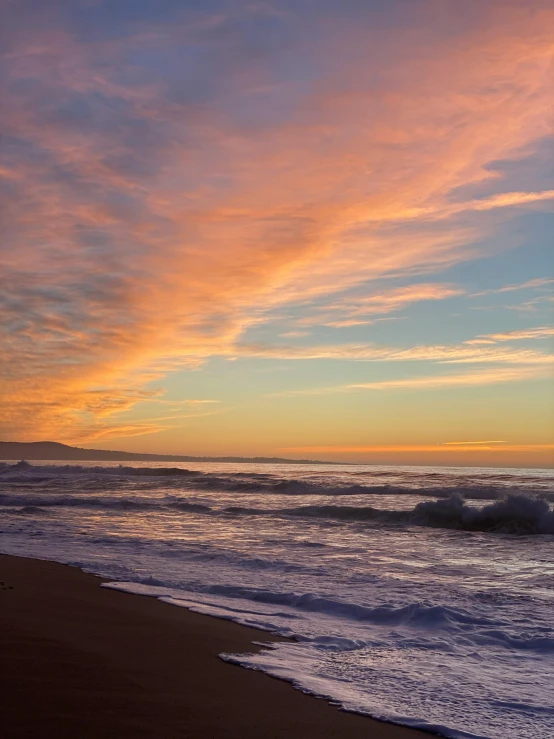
{"x": 54, "y": 451}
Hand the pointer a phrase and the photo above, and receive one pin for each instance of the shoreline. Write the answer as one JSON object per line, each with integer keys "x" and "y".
{"x": 84, "y": 661}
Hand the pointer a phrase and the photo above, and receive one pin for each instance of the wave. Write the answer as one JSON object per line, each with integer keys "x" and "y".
{"x": 414, "y": 614}
{"x": 424, "y": 619}
{"x": 37, "y": 502}
{"x": 30, "y": 510}
{"x": 515, "y": 514}
{"x": 77, "y": 469}
{"x": 24, "y": 473}
{"x": 299, "y": 487}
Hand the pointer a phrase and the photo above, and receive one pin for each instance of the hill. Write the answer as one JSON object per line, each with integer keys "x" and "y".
{"x": 54, "y": 451}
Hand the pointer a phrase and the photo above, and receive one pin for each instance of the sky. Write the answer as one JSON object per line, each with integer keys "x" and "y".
{"x": 301, "y": 228}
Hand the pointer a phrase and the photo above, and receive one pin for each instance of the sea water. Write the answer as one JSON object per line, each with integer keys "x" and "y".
{"x": 422, "y": 596}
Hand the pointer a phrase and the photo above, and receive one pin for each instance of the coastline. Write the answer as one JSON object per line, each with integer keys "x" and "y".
{"x": 84, "y": 661}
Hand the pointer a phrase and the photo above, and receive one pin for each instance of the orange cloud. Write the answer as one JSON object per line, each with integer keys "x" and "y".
{"x": 467, "y": 443}
{"x": 396, "y": 448}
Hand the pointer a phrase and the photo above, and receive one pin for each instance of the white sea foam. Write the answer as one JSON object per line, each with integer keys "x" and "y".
{"x": 381, "y": 673}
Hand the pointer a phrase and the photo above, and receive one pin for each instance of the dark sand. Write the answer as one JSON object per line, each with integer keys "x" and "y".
{"x": 81, "y": 661}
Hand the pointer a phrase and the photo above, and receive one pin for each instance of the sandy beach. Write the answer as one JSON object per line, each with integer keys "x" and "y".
{"x": 82, "y": 661}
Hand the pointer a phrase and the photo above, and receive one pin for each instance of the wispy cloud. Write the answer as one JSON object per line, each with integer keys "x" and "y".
{"x": 533, "y": 305}
{"x": 294, "y": 334}
{"x": 428, "y": 382}
{"x": 447, "y": 210}
{"x": 467, "y": 443}
{"x": 415, "y": 448}
{"x": 354, "y": 310}
{"x": 443, "y": 354}
{"x": 205, "y": 401}
{"x": 539, "y": 283}
{"x": 541, "y": 332}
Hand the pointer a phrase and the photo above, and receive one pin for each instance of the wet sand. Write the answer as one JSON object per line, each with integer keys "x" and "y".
{"x": 85, "y": 662}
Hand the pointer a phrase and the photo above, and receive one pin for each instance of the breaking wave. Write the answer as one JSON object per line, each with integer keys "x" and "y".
{"x": 515, "y": 514}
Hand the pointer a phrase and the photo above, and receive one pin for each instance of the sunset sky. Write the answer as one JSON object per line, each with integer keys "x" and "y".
{"x": 301, "y": 228}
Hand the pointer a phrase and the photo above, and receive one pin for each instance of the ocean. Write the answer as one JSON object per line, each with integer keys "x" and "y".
{"x": 418, "y": 595}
